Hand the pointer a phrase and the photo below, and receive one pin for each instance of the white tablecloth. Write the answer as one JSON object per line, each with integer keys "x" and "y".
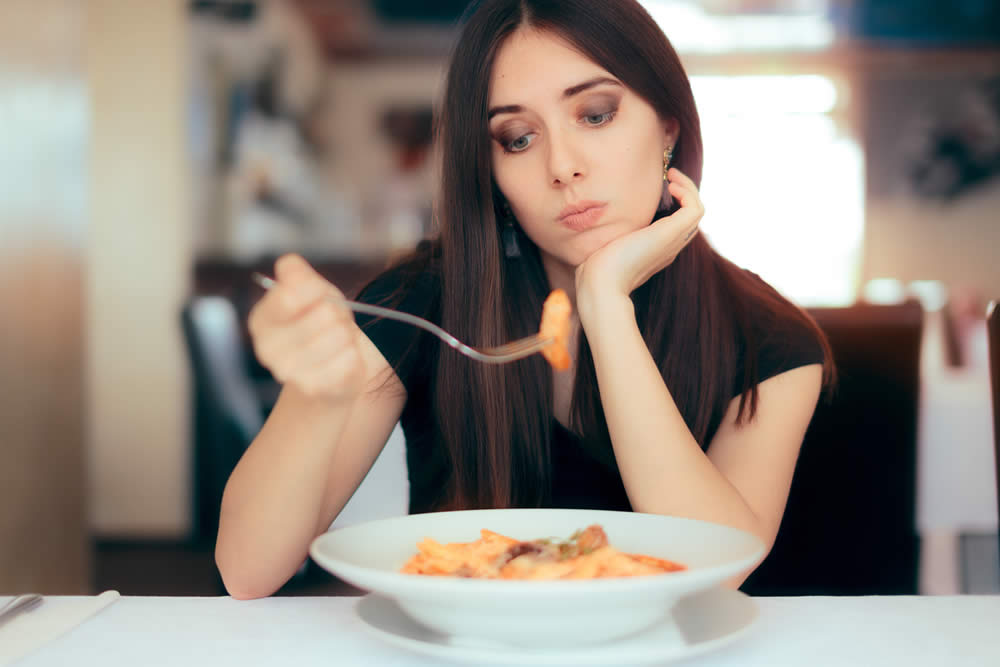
{"x": 911, "y": 631}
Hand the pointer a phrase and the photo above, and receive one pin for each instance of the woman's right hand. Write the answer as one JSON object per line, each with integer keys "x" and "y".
{"x": 306, "y": 336}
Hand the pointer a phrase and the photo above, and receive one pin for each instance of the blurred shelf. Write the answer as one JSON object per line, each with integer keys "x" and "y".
{"x": 850, "y": 58}
{"x": 231, "y": 277}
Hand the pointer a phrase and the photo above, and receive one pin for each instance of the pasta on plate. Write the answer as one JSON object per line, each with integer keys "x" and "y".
{"x": 587, "y": 554}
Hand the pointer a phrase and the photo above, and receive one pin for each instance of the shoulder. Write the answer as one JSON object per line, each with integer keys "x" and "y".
{"x": 778, "y": 336}
{"x": 411, "y": 285}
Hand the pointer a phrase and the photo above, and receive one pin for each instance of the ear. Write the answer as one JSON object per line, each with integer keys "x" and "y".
{"x": 671, "y": 130}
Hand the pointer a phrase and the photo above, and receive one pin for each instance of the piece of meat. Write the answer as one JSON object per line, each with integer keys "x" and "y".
{"x": 517, "y": 550}
{"x": 592, "y": 538}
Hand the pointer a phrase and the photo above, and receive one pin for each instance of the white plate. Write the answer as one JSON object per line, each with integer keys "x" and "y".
{"x": 535, "y": 614}
{"x": 702, "y": 622}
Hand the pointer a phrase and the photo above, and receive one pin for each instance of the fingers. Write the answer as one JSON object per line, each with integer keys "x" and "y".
{"x": 675, "y": 175}
{"x": 684, "y": 190}
{"x": 311, "y": 359}
{"x": 692, "y": 210}
{"x": 293, "y": 338}
{"x": 297, "y": 289}
{"x": 304, "y": 333}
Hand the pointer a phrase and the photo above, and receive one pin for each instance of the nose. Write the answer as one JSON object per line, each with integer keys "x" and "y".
{"x": 566, "y": 164}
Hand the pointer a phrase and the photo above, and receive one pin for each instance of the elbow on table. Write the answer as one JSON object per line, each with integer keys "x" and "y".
{"x": 242, "y": 588}
{"x": 247, "y": 592}
{"x": 240, "y": 583}
{"x": 737, "y": 581}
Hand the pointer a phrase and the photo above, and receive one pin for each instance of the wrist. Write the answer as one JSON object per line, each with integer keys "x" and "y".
{"x": 317, "y": 409}
{"x": 603, "y": 310}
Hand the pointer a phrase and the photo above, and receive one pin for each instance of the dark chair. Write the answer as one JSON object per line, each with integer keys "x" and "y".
{"x": 227, "y": 410}
{"x": 993, "y": 327}
{"x": 230, "y": 405}
{"x": 849, "y": 526}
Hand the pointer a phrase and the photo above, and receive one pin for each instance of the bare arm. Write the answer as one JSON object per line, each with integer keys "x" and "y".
{"x": 316, "y": 446}
{"x": 744, "y": 478}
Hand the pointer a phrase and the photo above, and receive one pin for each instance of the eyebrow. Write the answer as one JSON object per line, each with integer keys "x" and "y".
{"x": 569, "y": 92}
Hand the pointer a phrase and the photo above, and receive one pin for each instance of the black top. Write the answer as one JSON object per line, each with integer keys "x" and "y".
{"x": 578, "y": 479}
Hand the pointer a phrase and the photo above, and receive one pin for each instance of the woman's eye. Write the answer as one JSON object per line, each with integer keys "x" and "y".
{"x": 596, "y": 119}
{"x": 519, "y": 144}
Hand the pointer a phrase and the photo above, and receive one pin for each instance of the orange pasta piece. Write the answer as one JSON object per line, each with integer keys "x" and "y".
{"x": 555, "y": 323}
{"x": 658, "y": 563}
{"x": 586, "y": 555}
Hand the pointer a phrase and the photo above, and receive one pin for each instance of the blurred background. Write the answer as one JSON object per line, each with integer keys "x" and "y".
{"x": 154, "y": 154}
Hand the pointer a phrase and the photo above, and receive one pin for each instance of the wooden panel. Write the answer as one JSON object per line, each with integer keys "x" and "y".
{"x": 44, "y": 541}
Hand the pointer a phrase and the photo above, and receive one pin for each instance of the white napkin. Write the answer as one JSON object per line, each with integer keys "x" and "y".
{"x": 53, "y": 617}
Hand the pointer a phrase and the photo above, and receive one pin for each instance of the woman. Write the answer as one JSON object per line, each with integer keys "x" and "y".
{"x": 571, "y": 154}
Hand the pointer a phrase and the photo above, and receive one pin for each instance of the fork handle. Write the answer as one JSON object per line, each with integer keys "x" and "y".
{"x": 379, "y": 311}
{"x": 486, "y": 356}
{"x": 391, "y": 314}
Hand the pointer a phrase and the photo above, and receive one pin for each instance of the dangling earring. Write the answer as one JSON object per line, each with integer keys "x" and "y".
{"x": 666, "y": 200}
{"x": 511, "y": 247}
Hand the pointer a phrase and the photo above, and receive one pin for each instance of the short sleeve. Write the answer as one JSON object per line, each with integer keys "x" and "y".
{"x": 783, "y": 343}
{"x": 787, "y": 346}
{"x": 403, "y": 345}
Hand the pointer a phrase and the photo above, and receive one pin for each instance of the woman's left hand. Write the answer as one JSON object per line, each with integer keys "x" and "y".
{"x": 626, "y": 263}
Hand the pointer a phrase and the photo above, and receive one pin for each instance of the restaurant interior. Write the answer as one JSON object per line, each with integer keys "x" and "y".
{"x": 156, "y": 154}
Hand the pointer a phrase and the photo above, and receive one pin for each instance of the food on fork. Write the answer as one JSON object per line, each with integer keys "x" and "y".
{"x": 555, "y": 324}
{"x": 585, "y": 555}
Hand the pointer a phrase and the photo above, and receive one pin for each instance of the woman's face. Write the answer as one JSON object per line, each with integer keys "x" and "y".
{"x": 577, "y": 155}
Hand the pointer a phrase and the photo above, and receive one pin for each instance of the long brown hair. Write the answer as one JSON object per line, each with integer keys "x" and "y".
{"x": 495, "y": 422}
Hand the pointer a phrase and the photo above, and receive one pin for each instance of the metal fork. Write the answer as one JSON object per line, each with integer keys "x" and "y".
{"x": 501, "y": 354}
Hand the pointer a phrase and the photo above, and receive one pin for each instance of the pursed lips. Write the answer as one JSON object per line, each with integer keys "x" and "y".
{"x": 582, "y": 215}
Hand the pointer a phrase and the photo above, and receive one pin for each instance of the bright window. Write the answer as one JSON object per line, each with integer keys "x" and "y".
{"x": 783, "y": 185}
{"x": 783, "y": 182}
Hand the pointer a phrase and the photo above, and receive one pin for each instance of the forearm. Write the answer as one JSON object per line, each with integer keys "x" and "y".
{"x": 664, "y": 469}
{"x": 270, "y": 507}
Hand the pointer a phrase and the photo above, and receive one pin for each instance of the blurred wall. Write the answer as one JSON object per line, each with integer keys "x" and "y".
{"x": 44, "y": 545}
{"x": 359, "y": 93}
{"x": 932, "y": 141}
{"x": 957, "y": 243}
{"x": 139, "y": 268}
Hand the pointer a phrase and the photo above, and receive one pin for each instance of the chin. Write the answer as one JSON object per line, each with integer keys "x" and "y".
{"x": 575, "y": 250}
{"x": 589, "y": 242}
{"x": 570, "y": 257}
{"x": 577, "y": 255}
